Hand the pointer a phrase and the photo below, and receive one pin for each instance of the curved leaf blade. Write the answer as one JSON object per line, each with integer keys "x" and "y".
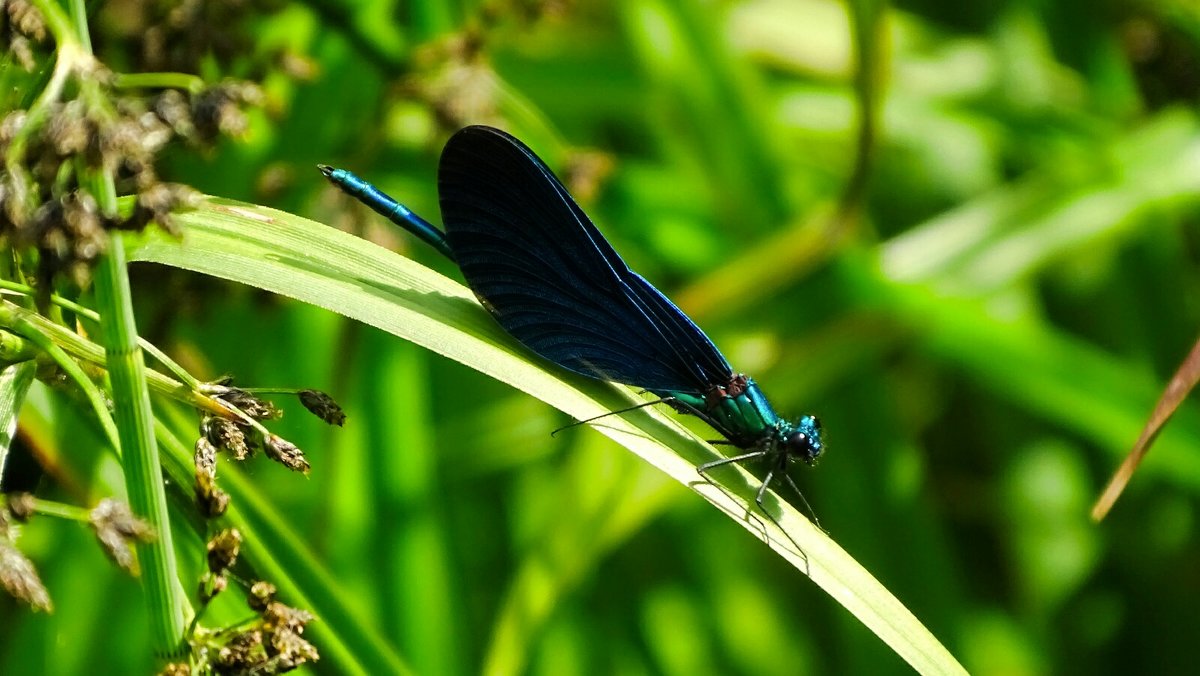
{"x": 300, "y": 259}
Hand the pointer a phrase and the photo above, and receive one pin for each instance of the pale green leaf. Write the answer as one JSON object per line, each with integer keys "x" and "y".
{"x": 300, "y": 259}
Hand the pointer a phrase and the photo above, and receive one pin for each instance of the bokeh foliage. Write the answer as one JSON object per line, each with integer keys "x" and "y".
{"x": 981, "y": 304}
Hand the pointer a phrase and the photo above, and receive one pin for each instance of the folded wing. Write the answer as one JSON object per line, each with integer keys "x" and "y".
{"x": 551, "y": 279}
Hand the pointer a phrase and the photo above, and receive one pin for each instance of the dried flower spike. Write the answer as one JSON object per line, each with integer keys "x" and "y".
{"x": 205, "y": 457}
{"x": 293, "y": 650}
{"x": 286, "y": 453}
{"x": 26, "y": 19}
{"x": 283, "y": 626}
{"x": 118, "y": 530}
{"x": 323, "y": 406}
{"x": 223, "y": 550}
{"x": 20, "y": 579}
{"x": 218, "y": 110}
{"x": 261, "y": 595}
{"x": 21, "y": 506}
{"x": 245, "y": 653}
{"x": 176, "y": 669}
{"x": 213, "y": 501}
{"x": 226, "y": 435}
{"x": 259, "y": 409}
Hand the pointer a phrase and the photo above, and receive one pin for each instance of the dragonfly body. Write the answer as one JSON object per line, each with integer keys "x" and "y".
{"x": 543, "y": 270}
{"x": 742, "y": 414}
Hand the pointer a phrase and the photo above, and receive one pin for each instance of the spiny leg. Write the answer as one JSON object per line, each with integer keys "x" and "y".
{"x": 713, "y": 464}
{"x": 808, "y": 507}
{"x": 781, "y": 468}
{"x": 762, "y": 490}
{"x": 703, "y": 470}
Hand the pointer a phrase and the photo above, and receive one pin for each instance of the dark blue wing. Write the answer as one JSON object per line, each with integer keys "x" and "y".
{"x": 551, "y": 279}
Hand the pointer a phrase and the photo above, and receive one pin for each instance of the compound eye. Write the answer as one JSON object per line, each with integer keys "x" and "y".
{"x": 801, "y": 446}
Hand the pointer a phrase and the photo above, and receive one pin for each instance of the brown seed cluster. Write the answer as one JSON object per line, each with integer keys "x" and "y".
{"x": 273, "y": 643}
{"x": 242, "y": 438}
{"x": 179, "y": 36}
{"x": 47, "y": 212}
{"x": 21, "y": 26}
{"x": 323, "y": 406}
{"x": 113, "y": 522}
{"x": 18, "y": 576}
{"x": 55, "y": 153}
{"x": 118, "y": 530}
{"x": 213, "y": 501}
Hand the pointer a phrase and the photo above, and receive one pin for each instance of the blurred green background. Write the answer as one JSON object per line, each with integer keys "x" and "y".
{"x": 974, "y": 259}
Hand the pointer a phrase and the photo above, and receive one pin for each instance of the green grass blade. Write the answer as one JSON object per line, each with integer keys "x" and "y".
{"x": 166, "y": 603}
{"x": 15, "y": 380}
{"x": 300, "y": 259}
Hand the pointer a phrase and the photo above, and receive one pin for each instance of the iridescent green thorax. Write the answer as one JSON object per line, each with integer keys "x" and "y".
{"x": 742, "y": 414}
